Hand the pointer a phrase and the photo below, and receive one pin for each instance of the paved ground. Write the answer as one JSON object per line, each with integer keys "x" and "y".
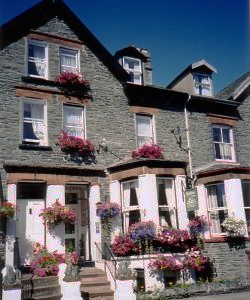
{"x": 229, "y": 296}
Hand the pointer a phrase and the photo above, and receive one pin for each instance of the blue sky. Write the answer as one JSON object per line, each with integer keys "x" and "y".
{"x": 176, "y": 32}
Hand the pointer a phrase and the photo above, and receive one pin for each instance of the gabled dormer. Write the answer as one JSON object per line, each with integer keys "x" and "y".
{"x": 137, "y": 62}
{"x": 196, "y": 79}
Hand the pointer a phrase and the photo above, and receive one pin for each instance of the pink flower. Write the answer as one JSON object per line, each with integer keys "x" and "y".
{"x": 149, "y": 151}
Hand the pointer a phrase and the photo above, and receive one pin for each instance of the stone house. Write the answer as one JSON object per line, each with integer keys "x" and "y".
{"x": 205, "y": 138}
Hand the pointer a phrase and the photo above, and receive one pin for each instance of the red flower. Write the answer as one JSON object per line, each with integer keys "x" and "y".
{"x": 149, "y": 151}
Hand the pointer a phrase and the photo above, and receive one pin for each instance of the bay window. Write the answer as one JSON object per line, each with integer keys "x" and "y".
{"x": 246, "y": 198}
{"x": 223, "y": 143}
{"x": 37, "y": 59}
{"x": 217, "y": 206}
{"x": 131, "y": 203}
{"x": 69, "y": 60}
{"x": 166, "y": 202}
{"x": 73, "y": 120}
{"x": 144, "y": 129}
{"x": 34, "y": 122}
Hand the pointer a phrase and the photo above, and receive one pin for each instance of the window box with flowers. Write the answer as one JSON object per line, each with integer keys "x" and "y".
{"x": 57, "y": 214}
{"x": 175, "y": 240}
{"x": 166, "y": 268}
{"x": 149, "y": 151}
{"x": 73, "y": 84}
{"x": 78, "y": 149}
{"x": 235, "y": 229}
{"x": 106, "y": 211}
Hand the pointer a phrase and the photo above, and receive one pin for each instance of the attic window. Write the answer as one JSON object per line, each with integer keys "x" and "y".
{"x": 202, "y": 84}
{"x": 133, "y": 67}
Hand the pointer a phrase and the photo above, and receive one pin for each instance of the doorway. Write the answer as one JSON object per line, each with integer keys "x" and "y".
{"x": 29, "y": 226}
{"x": 77, "y": 235}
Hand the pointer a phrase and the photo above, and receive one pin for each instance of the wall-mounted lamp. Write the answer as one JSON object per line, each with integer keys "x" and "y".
{"x": 105, "y": 149}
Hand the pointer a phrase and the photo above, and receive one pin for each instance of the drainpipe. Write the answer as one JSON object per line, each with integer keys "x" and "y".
{"x": 188, "y": 137}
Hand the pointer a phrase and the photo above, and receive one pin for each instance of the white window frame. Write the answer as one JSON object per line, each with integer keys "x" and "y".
{"x": 83, "y": 115}
{"x": 127, "y": 209}
{"x": 22, "y": 119}
{"x": 77, "y": 68}
{"x": 246, "y": 207}
{"x": 133, "y": 71}
{"x": 231, "y": 144}
{"x": 151, "y": 118}
{"x": 46, "y": 62}
{"x": 197, "y": 77}
{"x": 171, "y": 207}
{"x": 213, "y": 212}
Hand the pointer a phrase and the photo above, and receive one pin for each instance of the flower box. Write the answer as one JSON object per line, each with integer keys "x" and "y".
{"x": 73, "y": 84}
{"x": 149, "y": 151}
{"x": 71, "y": 144}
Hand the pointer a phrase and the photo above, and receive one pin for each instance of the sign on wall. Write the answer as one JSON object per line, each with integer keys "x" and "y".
{"x": 191, "y": 199}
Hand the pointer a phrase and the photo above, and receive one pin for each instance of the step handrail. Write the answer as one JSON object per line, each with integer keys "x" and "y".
{"x": 114, "y": 262}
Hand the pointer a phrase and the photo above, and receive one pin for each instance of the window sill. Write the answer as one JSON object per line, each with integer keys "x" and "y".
{"x": 34, "y": 147}
{"x": 38, "y": 80}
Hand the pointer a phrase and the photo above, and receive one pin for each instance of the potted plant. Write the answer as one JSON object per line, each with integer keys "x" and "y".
{"x": 149, "y": 151}
{"x": 56, "y": 214}
{"x": 45, "y": 263}
{"x": 73, "y": 84}
{"x": 106, "y": 211}
{"x": 168, "y": 267}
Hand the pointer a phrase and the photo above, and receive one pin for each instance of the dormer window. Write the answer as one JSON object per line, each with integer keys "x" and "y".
{"x": 133, "y": 67}
{"x": 202, "y": 84}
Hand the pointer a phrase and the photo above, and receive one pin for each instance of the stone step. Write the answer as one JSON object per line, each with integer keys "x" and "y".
{"x": 94, "y": 281}
{"x": 48, "y": 297}
{"x": 100, "y": 291}
{"x": 91, "y": 272}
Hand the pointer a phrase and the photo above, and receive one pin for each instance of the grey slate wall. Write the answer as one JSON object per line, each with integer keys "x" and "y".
{"x": 228, "y": 263}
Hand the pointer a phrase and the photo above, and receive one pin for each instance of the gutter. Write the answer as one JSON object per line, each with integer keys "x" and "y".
{"x": 188, "y": 137}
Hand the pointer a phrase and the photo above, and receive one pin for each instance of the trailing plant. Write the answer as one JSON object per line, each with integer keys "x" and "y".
{"x": 73, "y": 84}
{"x": 7, "y": 209}
{"x": 56, "y": 214}
{"x": 149, "y": 151}
{"x": 45, "y": 263}
{"x": 69, "y": 144}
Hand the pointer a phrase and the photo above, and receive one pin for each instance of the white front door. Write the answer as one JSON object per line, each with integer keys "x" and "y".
{"x": 30, "y": 227}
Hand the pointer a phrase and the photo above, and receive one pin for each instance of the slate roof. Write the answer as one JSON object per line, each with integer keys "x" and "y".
{"x": 229, "y": 91}
{"x": 43, "y": 12}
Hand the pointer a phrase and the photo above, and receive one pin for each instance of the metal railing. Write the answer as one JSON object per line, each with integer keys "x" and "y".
{"x": 108, "y": 255}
